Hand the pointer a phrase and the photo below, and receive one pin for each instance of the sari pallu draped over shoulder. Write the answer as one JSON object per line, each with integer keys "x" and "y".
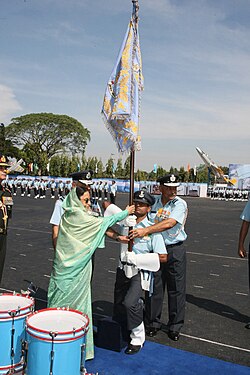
{"x": 79, "y": 235}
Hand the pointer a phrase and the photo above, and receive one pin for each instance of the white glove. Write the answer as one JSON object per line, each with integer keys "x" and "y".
{"x": 128, "y": 260}
{"x": 128, "y": 257}
{"x": 130, "y": 221}
{"x": 148, "y": 262}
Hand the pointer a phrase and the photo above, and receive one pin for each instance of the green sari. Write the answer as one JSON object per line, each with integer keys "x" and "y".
{"x": 79, "y": 235}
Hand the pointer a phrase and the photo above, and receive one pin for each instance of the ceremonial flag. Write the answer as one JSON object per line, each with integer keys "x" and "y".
{"x": 121, "y": 105}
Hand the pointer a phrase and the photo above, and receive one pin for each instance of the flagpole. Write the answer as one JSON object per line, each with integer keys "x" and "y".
{"x": 132, "y": 176}
{"x": 132, "y": 152}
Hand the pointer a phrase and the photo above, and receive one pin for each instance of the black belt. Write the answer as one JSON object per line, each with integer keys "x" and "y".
{"x": 174, "y": 244}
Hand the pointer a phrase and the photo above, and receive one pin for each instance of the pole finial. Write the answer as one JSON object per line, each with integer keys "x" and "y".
{"x": 135, "y": 9}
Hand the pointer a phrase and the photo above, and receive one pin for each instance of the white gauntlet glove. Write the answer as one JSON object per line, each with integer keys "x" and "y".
{"x": 148, "y": 262}
{"x": 130, "y": 221}
{"x": 128, "y": 260}
{"x": 132, "y": 262}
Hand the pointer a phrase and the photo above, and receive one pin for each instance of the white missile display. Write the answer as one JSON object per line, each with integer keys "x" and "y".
{"x": 217, "y": 171}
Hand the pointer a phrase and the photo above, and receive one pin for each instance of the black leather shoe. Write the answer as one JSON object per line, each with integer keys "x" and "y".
{"x": 132, "y": 349}
{"x": 151, "y": 331}
{"x": 174, "y": 335}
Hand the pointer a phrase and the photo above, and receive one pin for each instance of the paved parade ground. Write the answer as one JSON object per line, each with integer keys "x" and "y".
{"x": 217, "y": 282}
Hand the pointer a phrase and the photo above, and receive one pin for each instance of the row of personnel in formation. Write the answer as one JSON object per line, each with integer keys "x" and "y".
{"x": 227, "y": 194}
{"x": 157, "y": 259}
{"x": 39, "y": 188}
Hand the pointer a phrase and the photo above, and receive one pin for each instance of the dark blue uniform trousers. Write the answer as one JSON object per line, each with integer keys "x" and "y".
{"x": 172, "y": 275}
{"x": 128, "y": 304}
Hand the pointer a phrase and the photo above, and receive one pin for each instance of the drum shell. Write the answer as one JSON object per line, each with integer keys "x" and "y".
{"x": 67, "y": 356}
{"x": 5, "y": 345}
{"x": 67, "y": 346}
{"x": 19, "y": 327}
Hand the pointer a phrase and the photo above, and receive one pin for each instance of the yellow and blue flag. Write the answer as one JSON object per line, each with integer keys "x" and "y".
{"x": 121, "y": 105}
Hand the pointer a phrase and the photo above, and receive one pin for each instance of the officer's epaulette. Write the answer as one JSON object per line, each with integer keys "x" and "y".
{"x": 62, "y": 198}
{"x": 174, "y": 201}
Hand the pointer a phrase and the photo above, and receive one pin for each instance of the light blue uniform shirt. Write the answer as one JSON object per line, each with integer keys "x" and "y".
{"x": 57, "y": 213}
{"x": 153, "y": 243}
{"x": 175, "y": 209}
{"x": 246, "y": 212}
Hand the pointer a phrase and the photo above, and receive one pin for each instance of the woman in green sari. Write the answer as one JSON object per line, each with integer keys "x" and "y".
{"x": 80, "y": 234}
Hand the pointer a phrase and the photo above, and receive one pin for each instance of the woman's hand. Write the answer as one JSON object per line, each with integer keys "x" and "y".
{"x": 130, "y": 209}
{"x": 122, "y": 239}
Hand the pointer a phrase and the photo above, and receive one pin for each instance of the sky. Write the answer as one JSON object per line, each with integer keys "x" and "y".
{"x": 57, "y": 55}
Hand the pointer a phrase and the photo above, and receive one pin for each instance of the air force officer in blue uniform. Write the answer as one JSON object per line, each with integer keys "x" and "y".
{"x": 169, "y": 214}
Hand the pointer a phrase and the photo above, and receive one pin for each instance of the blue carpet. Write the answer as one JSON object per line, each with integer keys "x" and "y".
{"x": 157, "y": 359}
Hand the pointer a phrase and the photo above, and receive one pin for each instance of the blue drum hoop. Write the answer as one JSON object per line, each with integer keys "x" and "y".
{"x": 61, "y": 336}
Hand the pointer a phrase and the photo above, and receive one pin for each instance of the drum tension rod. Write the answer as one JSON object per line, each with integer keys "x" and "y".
{"x": 12, "y": 351}
{"x": 52, "y": 353}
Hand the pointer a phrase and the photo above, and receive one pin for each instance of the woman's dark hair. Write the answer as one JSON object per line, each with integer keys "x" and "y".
{"x": 80, "y": 191}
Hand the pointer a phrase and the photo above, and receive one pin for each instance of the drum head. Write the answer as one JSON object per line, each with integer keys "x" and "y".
{"x": 57, "y": 320}
{"x": 14, "y": 302}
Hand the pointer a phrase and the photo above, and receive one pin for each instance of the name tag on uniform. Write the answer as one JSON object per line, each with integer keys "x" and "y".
{"x": 7, "y": 201}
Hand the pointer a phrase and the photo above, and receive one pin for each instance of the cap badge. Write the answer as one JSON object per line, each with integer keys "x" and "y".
{"x": 88, "y": 176}
{"x": 172, "y": 178}
{"x": 2, "y": 159}
{"x": 141, "y": 195}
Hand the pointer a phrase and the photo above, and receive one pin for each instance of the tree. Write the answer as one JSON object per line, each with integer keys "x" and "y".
{"x": 183, "y": 175}
{"x": 99, "y": 168}
{"x": 2, "y": 138}
{"x": 202, "y": 173}
{"x": 92, "y": 164}
{"x": 74, "y": 164}
{"x": 119, "y": 169}
{"x": 109, "y": 167}
{"x": 55, "y": 166}
{"x": 127, "y": 168}
{"x": 6, "y": 146}
{"x": 48, "y": 134}
{"x": 83, "y": 162}
{"x": 141, "y": 175}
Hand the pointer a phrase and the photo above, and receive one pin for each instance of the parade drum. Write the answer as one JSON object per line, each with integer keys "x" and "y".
{"x": 14, "y": 308}
{"x": 56, "y": 342}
